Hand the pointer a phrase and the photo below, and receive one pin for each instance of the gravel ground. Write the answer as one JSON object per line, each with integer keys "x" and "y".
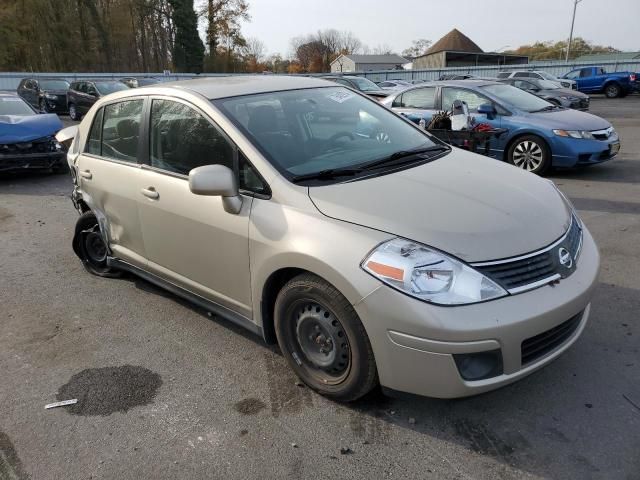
{"x": 168, "y": 392}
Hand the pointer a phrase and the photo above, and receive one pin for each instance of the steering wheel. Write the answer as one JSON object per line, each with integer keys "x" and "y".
{"x": 338, "y": 135}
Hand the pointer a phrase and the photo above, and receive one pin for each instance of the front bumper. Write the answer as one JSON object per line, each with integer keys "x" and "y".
{"x": 414, "y": 343}
{"x": 31, "y": 161}
{"x": 574, "y": 152}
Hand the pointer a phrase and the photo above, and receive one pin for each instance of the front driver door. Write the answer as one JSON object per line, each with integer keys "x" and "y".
{"x": 473, "y": 101}
{"x": 416, "y": 104}
{"x": 190, "y": 240}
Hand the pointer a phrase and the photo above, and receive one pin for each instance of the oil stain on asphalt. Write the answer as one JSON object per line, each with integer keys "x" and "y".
{"x": 10, "y": 465}
{"x": 103, "y": 391}
{"x": 249, "y": 406}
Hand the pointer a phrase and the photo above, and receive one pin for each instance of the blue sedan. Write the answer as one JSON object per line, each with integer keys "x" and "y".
{"x": 539, "y": 134}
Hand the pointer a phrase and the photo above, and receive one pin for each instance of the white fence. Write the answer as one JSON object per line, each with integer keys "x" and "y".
{"x": 10, "y": 80}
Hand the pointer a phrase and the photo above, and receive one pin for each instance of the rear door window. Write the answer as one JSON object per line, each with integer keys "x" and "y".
{"x": 181, "y": 139}
{"x": 121, "y": 130}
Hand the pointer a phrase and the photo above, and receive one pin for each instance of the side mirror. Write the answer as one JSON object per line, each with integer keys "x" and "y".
{"x": 216, "y": 181}
{"x": 487, "y": 109}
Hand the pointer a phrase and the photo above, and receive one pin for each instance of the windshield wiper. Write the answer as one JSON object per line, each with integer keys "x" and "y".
{"x": 327, "y": 174}
{"x": 391, "y": 159}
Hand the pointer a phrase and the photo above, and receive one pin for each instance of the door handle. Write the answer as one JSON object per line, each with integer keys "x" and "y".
{"x": 150, "y": 193}
{"x": 86, "y": 174}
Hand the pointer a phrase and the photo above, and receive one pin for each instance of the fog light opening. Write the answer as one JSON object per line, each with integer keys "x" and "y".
{"x": 480, "y": 365}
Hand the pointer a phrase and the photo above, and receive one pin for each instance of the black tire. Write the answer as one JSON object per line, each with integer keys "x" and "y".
{"x": 43, "y": 106}
{"x": 304, "y": 300}
{"x": 90, "y": 247}
{"x": 537, "y": 162}
{"x": 612, "y": 90}
{"x": 73, "y": 112}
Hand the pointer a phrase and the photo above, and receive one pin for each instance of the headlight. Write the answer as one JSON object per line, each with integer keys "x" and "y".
{"x": 428, "y": 274}
{"x": 51, "y": 97}
{"x": 571, "y": 99}
{"x": 574, "y": 134}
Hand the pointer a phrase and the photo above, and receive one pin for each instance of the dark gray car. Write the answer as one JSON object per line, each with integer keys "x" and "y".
{"x": 552, "y": 92}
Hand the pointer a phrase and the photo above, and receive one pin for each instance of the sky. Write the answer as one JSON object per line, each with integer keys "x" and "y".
{"x": 492, "y": 24}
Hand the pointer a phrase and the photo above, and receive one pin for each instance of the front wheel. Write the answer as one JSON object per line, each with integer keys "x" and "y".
{"x": 323, "y": 339}
{"x": 612, "y": 90}
{"x": 530, "y": 153}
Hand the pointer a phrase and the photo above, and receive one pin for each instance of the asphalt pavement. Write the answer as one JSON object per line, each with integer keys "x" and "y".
{"x": 166, "y": 391}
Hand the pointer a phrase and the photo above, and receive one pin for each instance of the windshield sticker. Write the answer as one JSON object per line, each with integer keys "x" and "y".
{"x": 10, "y": 99}
{"x": 340, "y": 97}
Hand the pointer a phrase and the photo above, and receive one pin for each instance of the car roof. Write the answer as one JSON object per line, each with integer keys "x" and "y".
{"x": 233, "y": 86}
{"x": 463, "y": 83}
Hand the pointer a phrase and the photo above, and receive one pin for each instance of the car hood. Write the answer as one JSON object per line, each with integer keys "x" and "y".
{"x": 467, "y": 205}
{"x": 567, "y": 92}
{"x": 55, "y": 92}
{"x": 24, "y": 128}
{"x": 566, "y": 119}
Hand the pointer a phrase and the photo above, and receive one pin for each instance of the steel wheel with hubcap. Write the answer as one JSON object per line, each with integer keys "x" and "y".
{"x": 323, "y": 339}
{"x": 530, "y": 153}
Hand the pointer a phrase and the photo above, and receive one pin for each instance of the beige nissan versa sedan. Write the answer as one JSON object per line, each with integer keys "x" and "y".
{"x": 312, "y": 215}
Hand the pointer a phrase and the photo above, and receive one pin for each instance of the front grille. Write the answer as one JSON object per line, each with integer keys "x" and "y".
{"x": 521, "y": 272}
{"x": 538, "y": 346}
{"x": 41, "y": 145}
{"x": 530, "y": 271}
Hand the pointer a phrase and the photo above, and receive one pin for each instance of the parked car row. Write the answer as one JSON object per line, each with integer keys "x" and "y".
{"x": 54, "y": 95}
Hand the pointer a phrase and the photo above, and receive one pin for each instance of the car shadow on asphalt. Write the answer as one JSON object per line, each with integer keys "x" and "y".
{"x": 619, "y": 170}
{"x": 36, "y": 183}
{"x": 551, "y": 422}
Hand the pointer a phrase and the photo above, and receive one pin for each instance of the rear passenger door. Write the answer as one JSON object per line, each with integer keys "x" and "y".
{"x": 109, "y": 175}
{"x": 190, "y": 240}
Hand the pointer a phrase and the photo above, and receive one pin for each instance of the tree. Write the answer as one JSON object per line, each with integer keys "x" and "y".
{"x": 254, "y": 53}
{"x": 418, "y": 47}
{"x": 223, "y": 23}
{"x": 188, "y": 50}
{"x": 557, "y": 50}
{"x": 314, "y": 53}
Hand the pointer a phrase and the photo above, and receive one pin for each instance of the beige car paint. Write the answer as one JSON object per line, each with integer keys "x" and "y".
{"x": 472, "y": 207}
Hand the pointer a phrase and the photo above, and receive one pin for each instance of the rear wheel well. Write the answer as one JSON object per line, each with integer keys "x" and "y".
{"x": 270, "y": 291}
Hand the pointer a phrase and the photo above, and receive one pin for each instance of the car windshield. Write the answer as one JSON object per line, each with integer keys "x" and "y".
{"x": 364, "y": 84}
{"x": 14, "y": 106}
{"x": 547, "y": 76}
{"x": 305, "y": 131}
{"x": 516, "y": 98}
{"x": 105, "y": 88}
{"x": 54, "y": 84}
